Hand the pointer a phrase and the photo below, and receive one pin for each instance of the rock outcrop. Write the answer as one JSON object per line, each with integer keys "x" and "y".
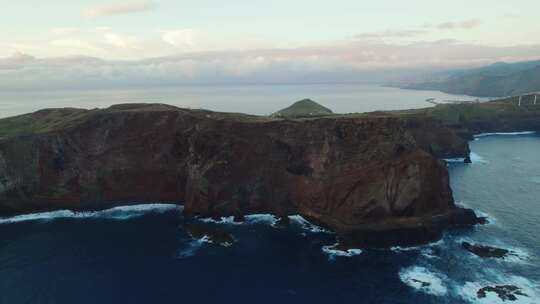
{"x": 371, "y": 179}
{"x": 504, "y": 292}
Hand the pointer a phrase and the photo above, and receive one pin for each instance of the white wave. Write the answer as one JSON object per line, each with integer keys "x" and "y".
{"x": 477, "y": 159}
{"x": 268, "y": 219}
{"x": 422, "y": 279}
{"x": 192, "y": 247}
{"x": 504, "y": 134}
{"x": 117, "y": 213}
{"x": 419, "y": 247}
{"x": 429, "y": 253}
{"x": 228, "y": 220}
{"x": 518, "y": 255}
{"x": 469, "y": 291}
{"x": 305, "y": 224}
{"x": 333, "y": 252}
{"x": 248, "y": 219}
{"x": 454, "y": 160}
{"x": 491, "y": 220}
{"x": 515, "y": 254}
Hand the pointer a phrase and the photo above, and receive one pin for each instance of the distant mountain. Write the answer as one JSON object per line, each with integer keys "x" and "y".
{"x": 495, "y": 80}
{"x": 303, "y": 108}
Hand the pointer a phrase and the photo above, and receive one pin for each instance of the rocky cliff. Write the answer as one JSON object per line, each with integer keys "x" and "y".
{"x": 372, "y": 179}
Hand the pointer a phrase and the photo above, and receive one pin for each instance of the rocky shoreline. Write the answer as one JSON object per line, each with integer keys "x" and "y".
{"x": 374, "y": 179}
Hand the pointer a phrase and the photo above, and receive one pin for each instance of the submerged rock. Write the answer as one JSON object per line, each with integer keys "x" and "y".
{"x": 422, "y": 283}
{"x": 504, "y": 292}
{"x": 486, "y": 251}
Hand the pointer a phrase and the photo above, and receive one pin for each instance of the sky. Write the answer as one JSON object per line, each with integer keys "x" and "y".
{"x": 85, "y": 42}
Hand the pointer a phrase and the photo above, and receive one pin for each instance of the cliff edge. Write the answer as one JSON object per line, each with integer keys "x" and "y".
{"x": 368, "y": 178}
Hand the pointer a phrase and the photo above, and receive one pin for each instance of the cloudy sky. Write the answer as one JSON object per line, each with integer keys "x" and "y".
{"x": 121, "y": 42}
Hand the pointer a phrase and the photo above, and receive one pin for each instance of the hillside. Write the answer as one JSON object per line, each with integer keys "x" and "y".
{"x": 496, "y": 80}
{"x": 303, "y": 108}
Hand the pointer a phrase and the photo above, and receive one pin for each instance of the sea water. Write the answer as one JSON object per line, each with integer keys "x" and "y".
{"x": 251, "y": 99}
{"x": 141, "y": 254}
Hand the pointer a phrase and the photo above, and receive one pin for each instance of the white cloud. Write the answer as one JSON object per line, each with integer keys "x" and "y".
{"x": 452, "y": 25}
{"x": 390, "y": 34}
{"x": 337, "y": 62}
{"x": 182, "y": 38}
{"x": 119, "y": 9}
{"x": 76, "y": 46}
{"x": 119, "y": 41}
{"x": 64, "y": 30}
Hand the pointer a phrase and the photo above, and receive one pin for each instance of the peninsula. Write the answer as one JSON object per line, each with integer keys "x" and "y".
{"x": 376, "y": 179}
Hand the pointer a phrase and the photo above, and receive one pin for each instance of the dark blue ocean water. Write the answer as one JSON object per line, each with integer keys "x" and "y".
{"x": 131, "y": 255}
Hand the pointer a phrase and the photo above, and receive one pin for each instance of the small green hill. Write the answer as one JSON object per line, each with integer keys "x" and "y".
{"x": 303, "y": 108}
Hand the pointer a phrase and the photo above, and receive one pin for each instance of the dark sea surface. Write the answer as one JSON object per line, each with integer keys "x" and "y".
{"x": 141, "y": 255}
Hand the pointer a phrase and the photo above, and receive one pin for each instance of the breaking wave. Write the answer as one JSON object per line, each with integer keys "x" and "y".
{"x": 268, "y": 219}
{"x": 455, "y": 160}
{"x": 422, "y": 279}
{"x": 469, "y": 291}
{"x": 116, "y": 213}
{"x": 504, "y": 134}
{"x": 192, "y": 247}
{"x": 333, "y": 252}
{"x": 229, "y": 220}
{"x": 515, "y": 255}
{"x": 477, "y": 159}
{"x": 307, "y": 225}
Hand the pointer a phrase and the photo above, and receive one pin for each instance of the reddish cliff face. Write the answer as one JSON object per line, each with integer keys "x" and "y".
{"x": 367, "y": 178}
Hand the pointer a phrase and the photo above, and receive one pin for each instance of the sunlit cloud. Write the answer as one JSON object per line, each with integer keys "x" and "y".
{"x": 390, "y": 34}
{"x": 333, "y": 62}
{"x": 452, "y": 25}
{"x": 119, "y": 9}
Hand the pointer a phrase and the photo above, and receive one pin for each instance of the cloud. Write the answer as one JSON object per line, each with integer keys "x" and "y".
{"x": 15, "y": 61}
{"x": 390, "y": 34}
{"x": 451, "y": 25}
{"x": 121, "y": 41}
{"x": 119, "y": 9}
{"x": 77, "y": 46}
{"x": 182, "y": 38}
{"x": 64, "y": 30}
{"x": 351, "y": 61}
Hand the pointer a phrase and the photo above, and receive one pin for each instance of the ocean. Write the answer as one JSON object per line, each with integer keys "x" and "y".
{"x": 141, "y": 254}
{"x": 251, "y": 99}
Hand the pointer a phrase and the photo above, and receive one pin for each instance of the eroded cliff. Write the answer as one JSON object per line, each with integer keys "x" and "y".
{"x": 370, "y": 179}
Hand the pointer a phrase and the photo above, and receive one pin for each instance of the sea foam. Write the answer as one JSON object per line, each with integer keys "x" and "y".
{"x": 229, "y": 220}
{"x": 268, "y": 219}
{"x": 469, "y": 291}
{"x": 116, "y": 213}
{"x": 477, "y": 159}
{"x": 192, "y": 247}
{"x": 515, "y": 254}
{"x": 333, "y": 252}
{"x": 504, "y": 134}
{"x": 424, "y": 280}
{"x": 307, "y": 225}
